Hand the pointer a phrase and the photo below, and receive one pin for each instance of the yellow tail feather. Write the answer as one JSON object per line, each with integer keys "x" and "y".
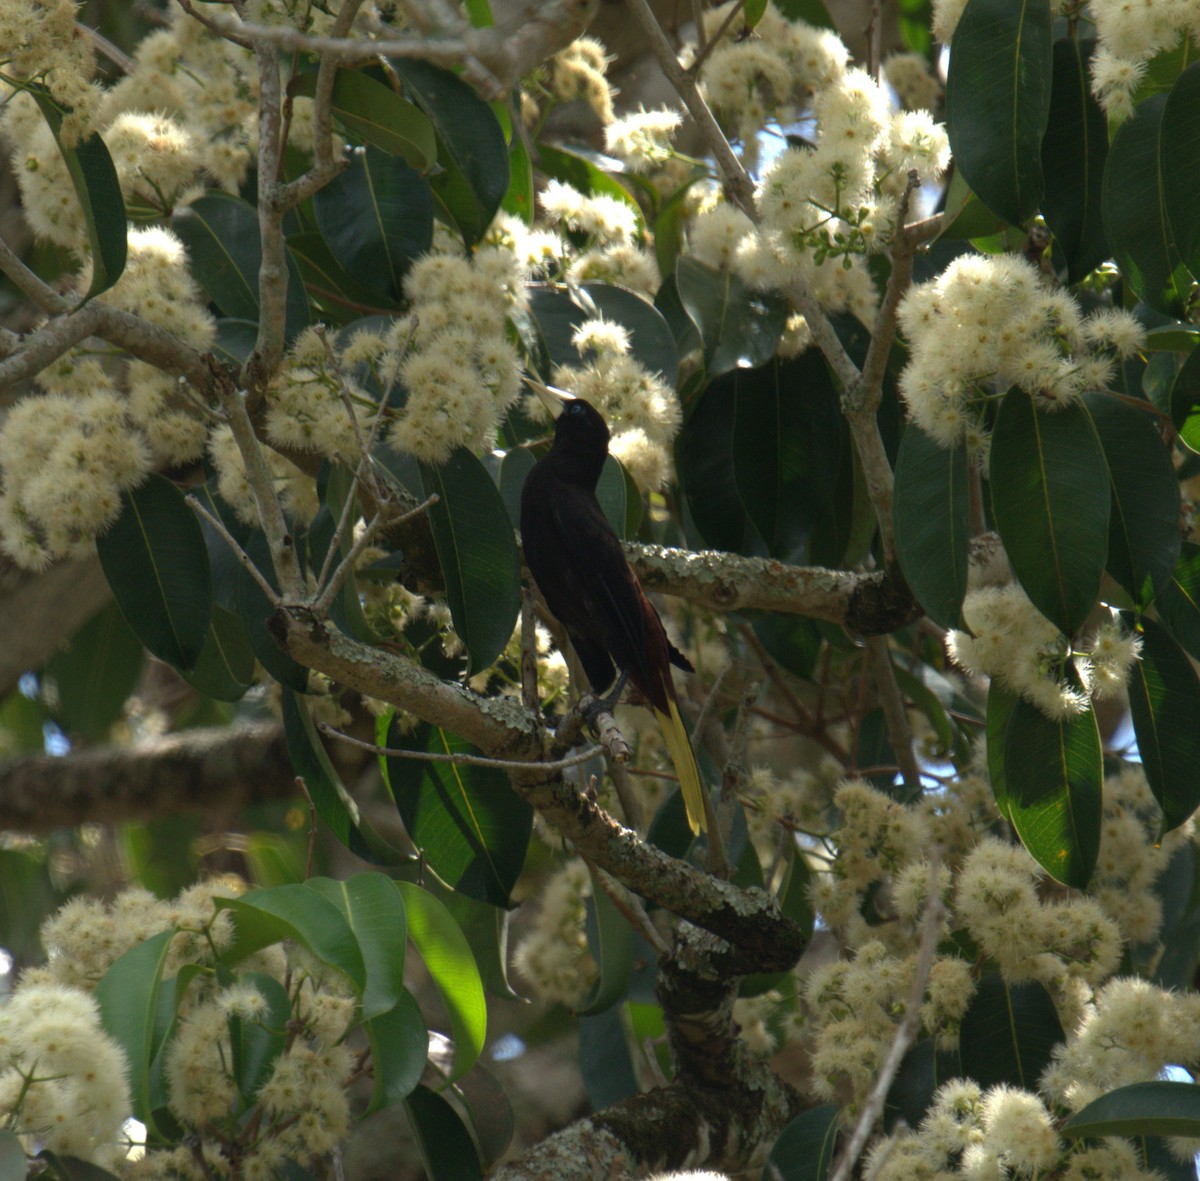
{"x": 685, "y": 766}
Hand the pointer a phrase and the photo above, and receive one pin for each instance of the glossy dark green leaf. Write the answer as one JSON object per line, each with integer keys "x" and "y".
{"x": 998, "y": 102}
{"x": 225, "y": 669}
{"x": 338, "y": 294}
{"x": 329, "y": 797}
{"x": 256, "y": 1043}
{"x": 740, "y": 327}
{"x": 485, "y": 929}
{"x": 447, "y": 955}
{"x": 1157, "y": 1108}
{"x": 812, "y": 12}
{"x": 399, "y": 1043}
{"x": 94, "y": 179}
{"x": 300, "y": 913}
{"x": 156, "y": 563}
{"x": 1185, "y": 401}
{"x": 932, "y": 517}
{"x": 1000, "y": 705}
{"x": 1181, "y": 166}
{"x": 582, "y": 174}
{"x": 1164, "y": 68}
{"x": 377, "y": 216}
{"x": 444, "y": 1142}
{"x": 335, "y": 486}
{"x": 1050, "y": 500}
{"x": 1143, "y": 534}
{"x": 1073, "y": 154}
{"x": 516, "y": 465}
{"x": 478, "y": 555}
{"x": 805, "y": 1148}
{"x": 610, "y": 940}
{"x": 668, "y": 229}
{"x": 71, "y": 1168}
{"x": 1054, "y": 772}
{"x": 128, "y": 1000}
{"x": 966, "y": 215}
{"x": 1164, "y": 700}
{"x": 1008, "y": 1033}
{"x": 469, "y": 825}
{"x": 96, "y": 673}
{"x": 1135, "y": 219}
{"x": 923, "y": 1070}
{"x": 472, "y": 150}
{"x": 519, "y": 200}
{"x": 220, "y": 233}
{"x": 1178, "y": 603}
{"x": 373, "y": 113}
{"x": 374, "y": 912}
{"x": 558, "y": 312}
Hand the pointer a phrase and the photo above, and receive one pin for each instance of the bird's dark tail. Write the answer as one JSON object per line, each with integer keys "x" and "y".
{"x": 684, "y": 759}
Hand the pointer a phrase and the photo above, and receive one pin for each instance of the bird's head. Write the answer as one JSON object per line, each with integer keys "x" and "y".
{"x": 579, "y": 428}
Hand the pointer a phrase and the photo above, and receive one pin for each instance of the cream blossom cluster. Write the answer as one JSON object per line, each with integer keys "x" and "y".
{"x": 578, "y": 72}
{"x": 989, "y": 322}
{"x": 1010, "y": 640}
{"x": 641, "y": 410}
{"x": 460, "y": 372}
{"x": 296, "y": 491}
{"x": 915, "y": 84}
{"x": 642, "y": 139}
{"x": 553, "y": 957}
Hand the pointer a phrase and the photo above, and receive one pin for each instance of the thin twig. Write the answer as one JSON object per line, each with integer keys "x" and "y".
{"x": 463, "y": 760}
{"x": 239, "y": 553}
{"x": 312, "y": 826}
{"x": 707, "y": 47}
{"x": 906, "y": 1032}
{"x": 630, "y": 906}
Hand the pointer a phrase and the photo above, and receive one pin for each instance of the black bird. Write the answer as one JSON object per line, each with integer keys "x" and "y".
{"x": 579, "y": 566}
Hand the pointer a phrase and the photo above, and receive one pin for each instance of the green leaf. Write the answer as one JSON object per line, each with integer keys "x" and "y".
{"x": 298, "y": 912}
{"x": 470, "y": 827}
{"x": 225, "y": 669}
{"x": 1143, "y": 534}
{"x": 576, "y": 170}
{"x": 1157, "y": 1108}
{"x": 257, "y": 1043}
{"x": 1050, "y": 500}
{"x": 1164, "y": 700}
{"x": 1054, "y": 773}
{"x": 932, "y": 516}
{"x": 333, "y": 803}
{"x": 998, "y": 102}
{"x": 1073, "y": 154}
{"x": 1181, "y": 166}
{"x": 610, "y": 940}
{"x": 375, "y": 913}
{"x": 805, "y": 1148}
{"x": 128, "y": 1000}
{"x": 1008, "y": 1033}
{"x": 519, "y": 199}
{"x": 373, "y": 113}
{"x": 376, "y": 216}
{"x": 1185, "y": 401}
{"x": 335, "y": 487}
{"x": 332, "y": 288}
{"x": 1000, "y": 705}
{"x": 220, "y": 233}
{"x": 94, "y": 179}
{"x": 444, "y": 1141}
{"x": 966, "y": 215}
{"x": 1135, "y": 217}
{"x": 812, "y": 12}
{"x": 156, "y": 563}
{"x": 740, "y": 327}
{"x": 399, "y": 1044}
{"x": 1178, "y": 603}
{"x": 95, "y": 675}
{"x": 478, "y": 555}
{"x": 472, "y": 149}
{"x": 485, "y": 928}
{"x": 452, "y": 968}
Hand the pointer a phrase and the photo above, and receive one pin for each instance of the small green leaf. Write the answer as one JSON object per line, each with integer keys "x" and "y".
{"x": 740, "y": 328}
{"x": 1178, "y": 603}
{"x": 610, "y": 940}
{"x": 519, "y": 200}
{"x": 1050, "y": 498}
{"x": 472, "y": 149}
{"x": 576, "y": 170}
{"x": 299, "y": 912}
{"x": 94, "y": 179}
{"x": 128, "y": 1000}
{"x": 1185, "y": 401}
{"x": 1008, "y": 1033}
{"x": 373, "y": 113}
{"x": 399, "y": 1048}
{"x": 447, "y": 955}
{"x": 1181, "y": 166}
{"x": 1135, "y": 220}
{"x": 1143, "y": 535}
{"x": 225, "y": 669}
{"x": 466, "y": 821}
{"x": 805, "y": 1148}
{"x": 445, "y": 1143}
{"x": 375, "y": 913}
{"x": 1157, "y": 1108}
{"x": 1073, "y": 154}
{"x": 478, "y": 555}
{"x": 1054, "y": 772}
{"x": 156, "y": 563}
{"x": 376, "y": 216}
{"x": 1164, "y": 700}
{"x": 1000, "y": 705}
{"x": 932, "y": 515}
{"x": 998, "y": 102}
